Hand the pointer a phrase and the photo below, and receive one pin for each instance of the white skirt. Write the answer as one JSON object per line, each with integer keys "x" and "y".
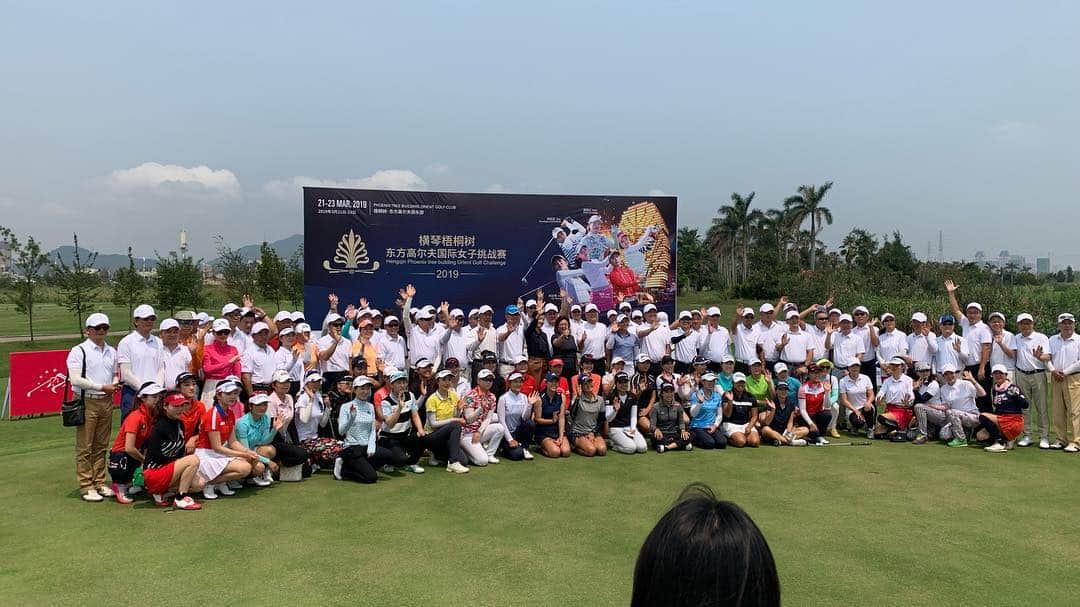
{"x": 212, "y": 463}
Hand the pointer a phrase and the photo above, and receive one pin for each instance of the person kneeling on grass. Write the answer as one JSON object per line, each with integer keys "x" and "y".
{"x": 550, "y": 419}
{"x": 444, "y": 421}
{"x": 587, "y": 419}
{"x": 1007, "y": 421}
{"x": 165, "y": 467}
{"x": 256, "y": 431}
{"x": 361, "y": 456}
{"x": 482, "y": 433}
{"x": 741, "y": 415}
{"x": 401, "y": 422}
{"x": 312, "y": 415}
{"x": 778, "y": 423}
{"x": 898, "y": 396}
{"x": 516, "y": 412}
{"x": 669, "y": 422}
{"x": 622, "y": 415}
{"x": 126, "y": 454}
{"x": 706, "y": 414}
{"x": 857, "y": 399}
{"x": 954, "y": 410}
{"x": 814, "y": 411}
{"x": 221, "y": 457}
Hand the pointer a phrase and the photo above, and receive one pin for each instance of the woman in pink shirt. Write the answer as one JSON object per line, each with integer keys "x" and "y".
{"x": 220, "y": 359}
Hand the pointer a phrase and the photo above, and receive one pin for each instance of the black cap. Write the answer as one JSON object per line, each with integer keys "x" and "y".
{"x": 666, "y": 359}
{"x": 347, "y": 378}
{"x": 185, "y": 376}
{"x": 359, "y": 361}
{"x": 488, "y": 355}
{"x": 620, "y": 376}
{"x": 701, "y": 360}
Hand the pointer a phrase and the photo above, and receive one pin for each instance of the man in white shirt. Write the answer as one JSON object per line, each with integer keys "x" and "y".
{"x": 1002, "y": 346}
{"x": 953, "y": 410}
{"x": 392, "y": 346}
{"x": 424, "y": 337}
{"x": 892, "y": 342}
{"x": 1031, "y": 379}
{"x": 511, "y": 340}
{"x": 745, "y": 337}
{"x": 977, "y": 341}
{"x": 177, "y": 356}
{"x": 684, "y": 344}
{"x": 483, "y": 338}
{"x": 922, "y": 342}
{"x": 91, "y": 366}
{"x": 577, "y": 323}
{"x": 593, "y": 340}
{"x": 1063, "y": 361}
{"x": 846, "y": 346}
{"x": 334, "y": 349}
{"x": 655, "y": 339}
{"x": 455, "y": 339}
{"x": 950, "y": 347}
{"x": 258, "y": 363}
{"x": 817, "y": 331}
{"x": 796, "y": 347}
{"x": 717, "y": 343}
{"x": 769, "y": 333}
{"x": 867, "y": 330}
{"x": 141, "y": 357}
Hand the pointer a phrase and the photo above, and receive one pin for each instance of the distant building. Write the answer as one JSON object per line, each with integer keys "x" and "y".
{"x": 980, "y": 258}
{"x": 5, "y": 257}
{"x": 1042, "y": 265}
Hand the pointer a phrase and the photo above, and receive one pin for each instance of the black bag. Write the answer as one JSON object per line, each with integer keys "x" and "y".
{"x": 73, "y": 411}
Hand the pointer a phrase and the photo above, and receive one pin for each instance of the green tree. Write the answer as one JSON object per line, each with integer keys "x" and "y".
{"x": 129, "y": 287}
{"x": 78, "y": 283}
{"x": 294, "y": 277}
{"x": 859, "y": 248}
{"x": 738, "y": 214}
{"x": 179, "y": 283}
{"x": 807, "y": 204}
{"x": 691, "y": 253}
{"x": 238, "y": 276}
{"x": 897, "y": 256}
{"x": 27, "y": 263}
{"x": 270, "y": 275}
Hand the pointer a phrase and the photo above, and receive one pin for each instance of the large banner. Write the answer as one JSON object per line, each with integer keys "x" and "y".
{"x": 37, "y": 382}
{"x": 474, "y": 249}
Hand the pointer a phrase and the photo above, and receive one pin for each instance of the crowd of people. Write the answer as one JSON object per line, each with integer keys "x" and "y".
{"x": 210, "y": 404}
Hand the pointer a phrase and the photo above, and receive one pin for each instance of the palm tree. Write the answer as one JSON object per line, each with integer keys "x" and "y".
{"x": 808, "y": 203}
{"x": 778, "y": 221}
{"x": 738, "y": 213}
{"x": 720, "y": 239}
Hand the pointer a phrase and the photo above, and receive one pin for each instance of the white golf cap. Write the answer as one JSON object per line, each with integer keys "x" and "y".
{"x": 836, "y": 311}
{"x": 424, "y": 315}
{"x": 424, "y": 363}
{"x": 617, "y": 359}
{"x": 168, "y": 323}
{"x": 363, "y": 380}
{"x": 515, "y": 376}
{"x": 791, "y": 306}
{"x": 203, "y": 317}
{"x": 413, "y": 311}
{"x": 662, "y": 317}
{"x": 791, "y": 314}
{"x": 621, "y": 318}
{"x": 281, "y": 376}
{"x": 444, "y": 374}
{"x": 143, "y": 311}
{"x": 520, "y": 358}
{"x": 685, "y": 315}
{"x": 709, "y": 376}
{"x": 591, "y": 308}
{"x": 97, "y": 319}
{"x": 625, "y": 305}
{"x": 896, "y": 360}
{"x": 846, "y": 317}
{"x": 575, "y": 308}
{"x": 918, "y": 317}
{"x": 727, "y": 358}
{"x": 297, "y": 317}
{"x": 594, "y": 218}
{"x": 1025, "y": 316}
{"x": 282, "y": 315}
{"x": 975, "y": 305}
{"x": 377, "y": 313}
{"x": 312, "y": 376}
{"x": 259, "y": 327}
{"x": 754, "y": 361}
{"x": 486, "y": 309}
{"x": 779, "y": 367}
{"x": 151, "y": 388}
{"x": 747, "y": 312}
{"x": 922, "y": 365}
{"x": 457, "y": 313}
{"x": 887, "y": 316}
{"x": 859, "y": 309}
{"x": 738, "y": 377}
{"x": 997, "y": 315}
{"x": 220, "y": 325}
{"x": 229, "y": 308}
{"x": 636, "y": 314}
{"x": 227, "y": 386}
{"x": 286, "y": 331}
{"x": 611, "y": 313}
{"x": 714, "y": 311}
{"x": 391, "y": 319}
{"x": 259, "y": 398}
{"x": 333, "y": 317}
{"x": 766, "y": 307}
{"x": 999, "y": 368}
{"x": 649, "y": 308}
{"x": 530, "y": 303}
{"x": 303, "y": 328}
{"x": 365, "y": 312}
{"x": 550, "y": 307}
{"x": 246, "y": 310}
{"x": 642, "y": 358}
{"x": 948, "y": 368}
{"x": 472, "y": 312}
{"x": 485, "y": 374}
{"x": 1066, "y": 317}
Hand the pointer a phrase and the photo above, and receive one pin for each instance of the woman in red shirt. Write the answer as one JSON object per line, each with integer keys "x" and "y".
{"x": 221, "y": 457}
{"x": 166, "y": 467}
{"x": 814, "y": 412}
{"x": 622, "y": 278}
{"x": 126, "y": 454}
{"x": 220, "y": 359}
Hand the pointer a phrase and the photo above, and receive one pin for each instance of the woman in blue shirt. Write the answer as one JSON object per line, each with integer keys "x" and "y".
{"x": 706, "y": 415}
{"x": 361, "y": 456}
{"x": 256, "y": 431}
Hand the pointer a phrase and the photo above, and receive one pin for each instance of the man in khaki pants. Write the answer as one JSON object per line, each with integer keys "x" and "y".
{"x": 1063, "y": 361}
{"x": 1031, "y": 379}
{"x": 92, "y": 369}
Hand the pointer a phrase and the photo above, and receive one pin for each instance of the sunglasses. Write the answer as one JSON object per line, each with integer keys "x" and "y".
{"x": 222, "y": 332}
{"x": 101, "y": 328}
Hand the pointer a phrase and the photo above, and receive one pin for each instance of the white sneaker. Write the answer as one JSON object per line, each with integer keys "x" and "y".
{"x": 104, "y": 491}
{"x": 822, "y": 440}
{"x": 208, "y": 492}
{"x": 261, "y": 480}
{"x": 689, "y": 446}
{"x": 661, "y": 448}
{"x": 996, "y": 448}
{"x": 1044, "y": 444}
{"x": 337, "y": 468}
{"x": 134, "y": 490}
{"x": 92, "y": 496}
{"x": 269, "y": 476}
{"x": 456, "y": 468}
{"x": 1057, "y": 445}
{"x": 492, "y": 459}
{"x": 527, "y": 454}
{"x": 389, "y": 469}
{"x": 434, "y": 463}
{"x": 1072, "y": 448}
{"x": 414, "y": 469}
{"x": 1024, "y": 442}
{"x": 225, "y": 488}
{"x": 234, "y": 485}
{"x": 798, "y": 442}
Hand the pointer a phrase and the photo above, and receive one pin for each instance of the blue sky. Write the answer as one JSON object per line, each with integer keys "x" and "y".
{"x": 124, "y": 121}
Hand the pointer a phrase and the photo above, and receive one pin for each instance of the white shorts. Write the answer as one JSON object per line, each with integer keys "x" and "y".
{"x": 730, "y": 429}
{"x": 212, "y": 463}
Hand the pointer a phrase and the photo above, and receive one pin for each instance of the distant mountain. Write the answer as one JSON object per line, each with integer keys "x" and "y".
{"x": 114, "y": 261}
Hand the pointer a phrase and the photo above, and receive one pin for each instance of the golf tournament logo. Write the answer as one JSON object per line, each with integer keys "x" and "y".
{"x": 351, "y": 257}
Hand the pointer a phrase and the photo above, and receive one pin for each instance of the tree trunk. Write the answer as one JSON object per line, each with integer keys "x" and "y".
{"x": 813, "y": 239}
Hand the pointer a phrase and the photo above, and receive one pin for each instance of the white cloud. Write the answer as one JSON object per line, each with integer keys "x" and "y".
{"x": 386, "y": 179}
{"x": 174, "y": 179}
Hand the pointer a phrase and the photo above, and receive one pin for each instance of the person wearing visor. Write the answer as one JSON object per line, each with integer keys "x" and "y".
{"x": 516, "y": 412}
{"x": 256, "y": 431}
{"x": 222, "y": 459}
{"x": 401, "y": 422}
{"x": 898, "y": 397}
{"x": 166, "y": 466}
{"x": 622, "y": 416}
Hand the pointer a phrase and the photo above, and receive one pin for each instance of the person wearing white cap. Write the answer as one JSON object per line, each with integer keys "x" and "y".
{"x": 483, "y": 338}
{"x": 222, "y": 459}
{"x": 795, "y": 346}
{"x": 282, "y": 320}
{"x": 740, "y": 415}
{"x": 898, "y": 397}
{"x": 482, "y": 432}
{"x": 125, "y": 455}
{"x": 311, "y": 418}
{"x": 621, "y": 413}
{"x": 1031, "y": 379}
{"x": 424, "y": 337}
{"x": 921, "y": 342}
{"x": 282, "y": 405}
{"x": 655, "y": 338}
{"x": 706, "y": 415}
{"x": 622, "y": 342}
{"x": 892, "y": 342}
{"x": 593, "y": 340}
{"x": 953, "y": 411}
{"x": 769, "y": 332}
{"x": 258, "y": 362}
{"x": 977, "y": 338}
{"x": 288, "y": 359}
{"x": 141, "y": 357}
{"x": 684, "y": 342}
{"x": 401, "y": 421}
{"x": 257, "y": 431}
{"x": 717, "y": 343}
{"x": 1063, "y": 361}
{"x": 442, "y": 435}
{"x": 818, "y": 330}
{"x": 1006, "y": 423}
{"x": 456, "y": 337}
{"x": 334, "y": 349}
{"x": 745, "y": 338}
{"x": 516, "y": 411}
{"x": 857, "y": 399}
{"x": 391, "y": 346}
{"x": 867, "y": 330}
{"x": 176, "y": 357}
{"x": 1003, "y": 346}
{"x": 846, "y": 346}
{"x": 550, "y": 314}
{"x": 361, "y": 455}
{"x": 220, "y": 359}
{"x": 607, "y": 383}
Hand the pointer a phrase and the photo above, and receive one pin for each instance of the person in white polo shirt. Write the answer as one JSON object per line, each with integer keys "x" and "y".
{"x": 684, "y": 342}
{"x": 717, "y": 343}
{"x": 795, "y": 346}
{"x": 484, "y": 334}
{"x": 334, "y": 349}
{"x": 1003, "y": 345}
{"x": 846, "y": 346}
{"x": 456, "y": 337}
{"x": 392, "y": 347}
{"x": 655, "y": 339}
{"x": 818, "y": 330}
{"x": 424, "y": 337}
{"x": 141, "y": 357}
{"x": 867, "y": 330}
{"x": 921, "y": 342}
{"x": 1063, "y": 361}
{"x": 91, "y": 368}
{"x": 951, "y": 348}
{"x": 745, "y": 337}
{"x": 1031, "y": 379}
{"x": 511, "y": 340}
{"x": 258, "y": 363}
{"x": 769, "y": 333}
{"x": 289, "y": 358}
{"x": 177, "y": 357}
{"x": 593, "y": 340}
{"x": 892, "y": 342}
{"x": 953, "y": 410}
{"x": 978, "y": 341}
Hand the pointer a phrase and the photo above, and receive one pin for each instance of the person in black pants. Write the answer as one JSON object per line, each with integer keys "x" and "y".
{"x": 401, "y": 420}
{"x": 444, "y": 421}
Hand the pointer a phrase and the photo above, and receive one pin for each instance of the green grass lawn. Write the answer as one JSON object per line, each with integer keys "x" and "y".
{"x": 884, "y": 524}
